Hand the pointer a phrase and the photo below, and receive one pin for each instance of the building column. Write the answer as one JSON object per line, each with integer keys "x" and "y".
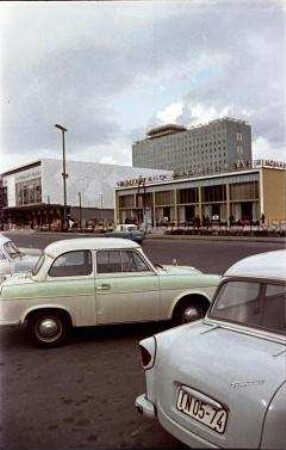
{"x": 227, "y": 189}
{"x": 116, "y": 209}
{"x": 200, "y": 202}
{"x": 175, "y": 206}
{"x": 261, "y": 193}
{"x": 154, "y": 209}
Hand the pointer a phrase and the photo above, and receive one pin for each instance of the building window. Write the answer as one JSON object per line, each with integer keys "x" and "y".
{"x": 213, "y": 193}
{"x": 164, "y": 198}
{"x": 244, "y": 191}
{"x": 126, "y": 201}
{"x": 188, "y": 195}
{"x": 29, "y": 192}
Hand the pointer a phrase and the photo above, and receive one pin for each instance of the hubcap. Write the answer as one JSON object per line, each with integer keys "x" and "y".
{"x": 190, "y": 314}
{"x": 49, "y": 329}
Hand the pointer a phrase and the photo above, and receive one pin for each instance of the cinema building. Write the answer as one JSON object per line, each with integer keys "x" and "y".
{"x": 245, "y": 194}
{"x": 32, "y": 195}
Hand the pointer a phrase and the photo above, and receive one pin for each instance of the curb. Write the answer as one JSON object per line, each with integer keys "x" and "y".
{"x": 160, "y": 236}
{"x": 217, "y": 238}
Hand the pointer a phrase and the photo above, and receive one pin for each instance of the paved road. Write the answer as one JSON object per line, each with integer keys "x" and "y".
{"x": 210, "y": 256}
{"x": 81, "y": 396}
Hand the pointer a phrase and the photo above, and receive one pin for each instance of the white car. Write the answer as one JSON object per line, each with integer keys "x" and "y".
{"x": 99, "y": 281}
{"x": 221, "y": 382}
{"x": 13, "y": 260}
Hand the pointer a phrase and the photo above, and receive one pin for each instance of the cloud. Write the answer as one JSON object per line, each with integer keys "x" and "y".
{"x": 170, "y": 113}
{"x": 109, "y": 70}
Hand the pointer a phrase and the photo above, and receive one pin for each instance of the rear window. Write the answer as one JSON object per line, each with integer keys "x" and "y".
{"x": 252, "y": 303}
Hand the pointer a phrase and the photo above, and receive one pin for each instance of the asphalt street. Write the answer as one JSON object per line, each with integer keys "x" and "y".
{"x": 81, "y": 396}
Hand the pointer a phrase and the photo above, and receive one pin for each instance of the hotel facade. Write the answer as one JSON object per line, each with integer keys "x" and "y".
{"x": 222, "y": 144}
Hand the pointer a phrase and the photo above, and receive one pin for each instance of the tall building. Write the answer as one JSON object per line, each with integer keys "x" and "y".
{"x": 222, "y": 144}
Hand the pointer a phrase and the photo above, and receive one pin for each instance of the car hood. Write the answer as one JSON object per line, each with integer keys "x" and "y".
{"x": 179, "y": 270}
{"x": 21, "y": 264}
{"x": 238, "y": 370}
{"x": 24, "y": 263}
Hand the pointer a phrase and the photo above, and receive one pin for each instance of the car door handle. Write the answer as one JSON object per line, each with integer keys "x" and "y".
{"x": 103, "y": 287}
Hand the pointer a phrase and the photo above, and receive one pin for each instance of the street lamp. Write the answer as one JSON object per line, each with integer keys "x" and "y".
{"x": 80, "y": 211}
{"x": 65, "y": 175}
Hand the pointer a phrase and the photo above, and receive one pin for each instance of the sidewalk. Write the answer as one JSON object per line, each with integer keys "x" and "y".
{"x": 160, "y": 236}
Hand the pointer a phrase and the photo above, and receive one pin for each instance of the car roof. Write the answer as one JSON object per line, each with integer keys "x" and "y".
{"x": 4, "y": 239}
{"x": 271, "y": 265}
{"x": 83, "y": 243}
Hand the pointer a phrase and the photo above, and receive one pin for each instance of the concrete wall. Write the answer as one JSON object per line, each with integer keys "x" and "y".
{"x": 274, "y": 194}
{"x": 94, "y": 181}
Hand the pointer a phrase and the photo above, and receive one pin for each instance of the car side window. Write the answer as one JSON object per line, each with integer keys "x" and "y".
{"x": 133, "y": 262}
{"x": 108, "y": 261}
{"x": 77, "y": 263}
{"x": 119, "y": 261}
{"x": 274, "y": 308}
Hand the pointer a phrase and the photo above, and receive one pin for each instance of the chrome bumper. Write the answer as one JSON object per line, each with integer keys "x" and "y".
{"x": 9, "y": 323}
{"x": 145, "y": 407}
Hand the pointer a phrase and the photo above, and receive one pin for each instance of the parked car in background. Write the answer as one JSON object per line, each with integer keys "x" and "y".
{"x": 221, "y": 382}
{"x": 13, "y": 260}
{"x": 127, "y": 231}
{"x": 100, "y": 281}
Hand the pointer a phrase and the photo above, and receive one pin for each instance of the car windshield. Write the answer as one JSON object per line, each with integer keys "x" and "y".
{"x": 38, "y": 264}
{"x": 251, "y": 303}
{"x": 12, "y": 250}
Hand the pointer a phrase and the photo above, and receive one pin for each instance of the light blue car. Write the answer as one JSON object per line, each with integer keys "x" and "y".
{"x": 221, "y": 382}
{"x": 127, "y": 231}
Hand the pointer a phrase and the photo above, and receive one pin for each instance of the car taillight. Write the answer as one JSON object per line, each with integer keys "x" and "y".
{"x": 145, "y": 356}
{"x": 147, "y": 349}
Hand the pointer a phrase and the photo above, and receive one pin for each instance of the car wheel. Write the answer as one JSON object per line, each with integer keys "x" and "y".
{"x": 48, "y": 329}
{"x": 189, "y": 312}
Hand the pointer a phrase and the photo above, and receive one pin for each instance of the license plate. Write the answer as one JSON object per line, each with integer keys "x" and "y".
{"x": 214, "y": 417}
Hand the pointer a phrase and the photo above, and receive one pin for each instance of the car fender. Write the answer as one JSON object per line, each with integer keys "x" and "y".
{"x": 5, "y": 268}
{"x": 274, "y": 431}
{"x": 47, "y": 306}
{"x": 188, "y": 293}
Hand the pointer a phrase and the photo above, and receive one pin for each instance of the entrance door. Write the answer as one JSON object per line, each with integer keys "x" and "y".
{"x": 189, "y": 213}
{"x": 246, "y": 211}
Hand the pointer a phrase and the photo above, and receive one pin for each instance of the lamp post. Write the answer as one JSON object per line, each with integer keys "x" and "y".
{"x": 65, "y": 176}
{"x": 80, "y": 211}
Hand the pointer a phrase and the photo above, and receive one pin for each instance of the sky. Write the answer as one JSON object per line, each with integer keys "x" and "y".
{"x": 110, "y": 71}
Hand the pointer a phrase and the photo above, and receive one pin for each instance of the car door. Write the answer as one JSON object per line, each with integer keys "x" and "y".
{"x": 127, "y": 288}
{"x": 70, "y": 283}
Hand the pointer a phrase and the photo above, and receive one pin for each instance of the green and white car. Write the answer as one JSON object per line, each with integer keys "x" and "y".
{"x": 98, "y": 281}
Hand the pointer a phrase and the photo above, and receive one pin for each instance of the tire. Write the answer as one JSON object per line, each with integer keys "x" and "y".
{"x": 188, "y": 312}
{"x": 48, "y": 328}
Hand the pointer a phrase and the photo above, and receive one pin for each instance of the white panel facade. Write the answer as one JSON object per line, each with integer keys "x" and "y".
{"x": 94, "y": 181}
